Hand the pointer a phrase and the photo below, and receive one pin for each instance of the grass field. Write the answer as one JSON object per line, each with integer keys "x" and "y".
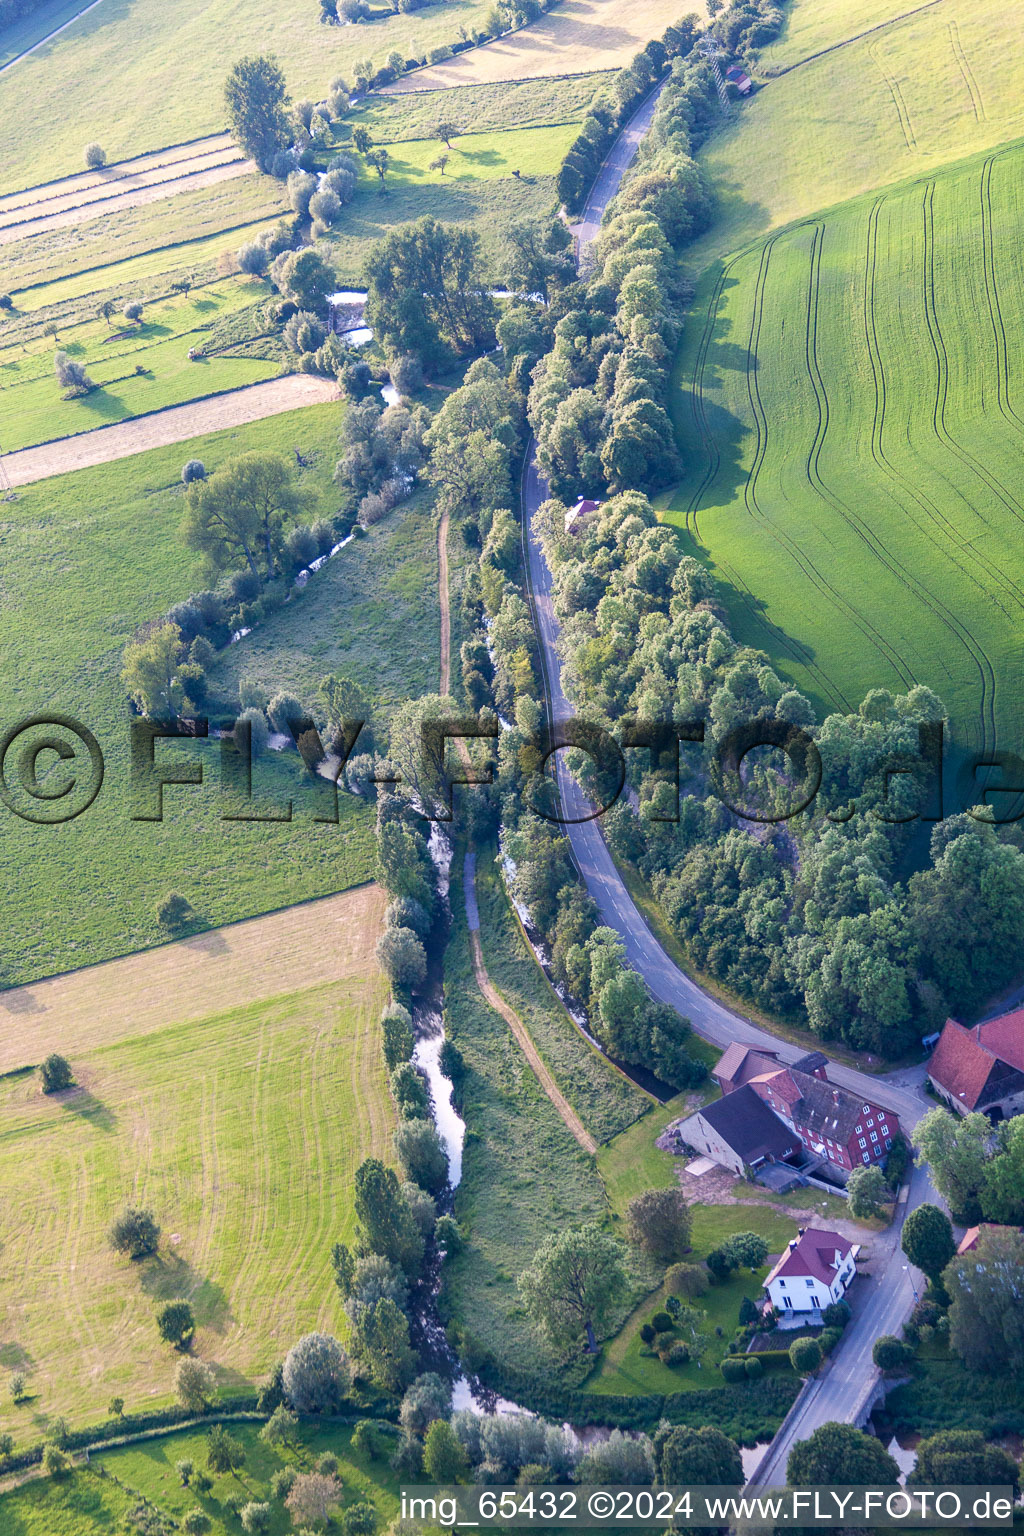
{"x": 240, "y": 1128}
{"x": 850, "y": 401}
{"x": 87, "y": 1504}
{"x": 490, "y": 207}
{"x": 151, "y": 52}
{"x": 187, "y": 218}
{"x": 906, "y": 100}
{"x": 523, "y": 1175}
{"x": 88, "y": 557}
{"x": 579, "y": 37}
{"x": 477, "y": 108}
{"x": 32, "y": 402}
{"x": 605, "y": 1101}
{"x": 375, "y": 618}
{"x": 813, "y": 25}
{"x": 534, "y": 152}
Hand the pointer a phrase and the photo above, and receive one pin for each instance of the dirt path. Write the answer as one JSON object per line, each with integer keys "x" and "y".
{"x": 446, "y": 614}
{"x": 175, "y": 425}
{"x": 512, "y": 1019}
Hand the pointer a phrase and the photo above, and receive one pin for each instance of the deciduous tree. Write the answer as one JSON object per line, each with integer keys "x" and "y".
{"x": 575, "y": 1279}
{"x": 256, "y": 96}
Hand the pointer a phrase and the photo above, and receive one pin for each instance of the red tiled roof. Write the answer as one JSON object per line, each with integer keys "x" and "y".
{"x": 819, "y": 1253}
{"x": 961, "y": 1064}
{"x": 740, "y": 1063}
{"x": 1004, "y": 1037}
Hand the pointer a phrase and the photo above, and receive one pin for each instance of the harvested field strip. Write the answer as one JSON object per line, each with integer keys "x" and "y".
{"x": 302, "y": 946}
{"x": 868, "y": 529}
{"x": 88, "y": 183}
{"x": 586, "y": 36}
{"x": 239, "y": 1117}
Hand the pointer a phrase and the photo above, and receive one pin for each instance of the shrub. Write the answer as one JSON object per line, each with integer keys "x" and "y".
{"x": 196, "y": 1523}
{"x": 661, "y": 1322}
{"x": 689, "y": 1280}
{"x": 132, "y": 311}
{"x": 304, "y": 332}
{"x": 678, "y": 1353}
{"x": 733, "y": 1370}
{"x": 176, "y": 1323}
{"x": 647, "y": 1333}
{"x": 753, "y": 1367}
{"x": 95, "y": 156}
{"x": 805, "y": 1356}
{"x": 317, "y": 1374}
{"x": 56, "y": 1463}
{"x": 194, "y": 469}
{"x": 193, "y": 1383}
{"x": 889, "y": 1353}
{"x": 259, "y": 733}
{"x": 253, "y": 258}
{"x": 283, "y": 709}
{"x": 6, "y": 302}
{"x": 71, "y": 375}
{"x": 828, "y": 1338}
{"x": 174, "y": 912}
{"x": 55, "y": 1073}
{"x": 836, "y": 1314}
{"x": 134, "y": 1233}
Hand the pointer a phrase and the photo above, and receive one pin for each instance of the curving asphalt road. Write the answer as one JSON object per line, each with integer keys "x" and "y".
{"x": 883, "y": 1301}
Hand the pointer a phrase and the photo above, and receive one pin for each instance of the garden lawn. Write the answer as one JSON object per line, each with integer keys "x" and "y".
{"x": 630, "y": 1162}
{"x": 476, "y": 108}
{"x": 178, "y": 229}
{"x": 628, "y": 1367}
{"x": 33, "y": 403}
{"x": 139, "y": 77}
{"x": 850, "y": 402}
{"x": 904, "y": 101}
{"x": 87, "y": 558}
{"x": 242, "y": 1132}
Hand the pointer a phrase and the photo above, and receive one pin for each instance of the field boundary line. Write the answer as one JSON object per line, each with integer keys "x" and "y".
{"x": 476, "y": 85}
{"x": 493, "y": 997}
{"x": 27, "y": 52}
{"x": 856, "y": 38}
{"x": 111, "y": 165}
{"x": 146, "y": 949}
{"x": 963, "y": 63}
{"x": 21, "y": 228}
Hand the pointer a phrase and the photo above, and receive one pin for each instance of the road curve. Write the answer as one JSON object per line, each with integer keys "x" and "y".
{"x": 884, "y": 1301}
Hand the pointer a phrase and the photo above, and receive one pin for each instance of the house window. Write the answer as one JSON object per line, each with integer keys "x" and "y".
{"x": 874, "y": 1135}
{"x": 867, "y": 1157}
{"x": 888, "y": 1142}
{"x": 863, "y": 1142}
{"x": 870, "y": 1124}
{"x": 782, "y": 1284}
{"x": 787, "y": 1301}
{"x": 858, "y": 1130}
{"x": 810, "y": 1285}
{"x": 867, "y": 1109}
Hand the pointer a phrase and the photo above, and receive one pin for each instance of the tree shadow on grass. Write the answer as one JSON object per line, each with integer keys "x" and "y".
{"x": 168, "y": 1276}
{"x": 79, "y": 1101}
{"x": 15, "y": 1357}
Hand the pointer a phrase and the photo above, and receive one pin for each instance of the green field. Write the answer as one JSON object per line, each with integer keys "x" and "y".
{"x": 171, "y": 226}
{"x": 851, "y": 404}
{"x": 534, "y": 152}
{"x": 492, "y": 207}
{"x": 906, "y": 100}
{"x": 89, "y": 1503}
{"x": 88, "y": 557}
{"x": 33, "y": 403}
{"x": 242, "y": 1132}
{"x": 476, "y": 108}
{"x": 169, "y": 65}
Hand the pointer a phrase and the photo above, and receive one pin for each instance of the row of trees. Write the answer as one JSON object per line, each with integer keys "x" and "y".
{"x": 977, "y": 1170}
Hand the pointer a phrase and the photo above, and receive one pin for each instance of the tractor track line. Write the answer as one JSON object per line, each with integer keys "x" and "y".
{"x": 902, "y": 111}
{"x": 895, "y": 479}
{"x": 813, "y": 466}
{"x": 817, "y": 577}
{"x": 697, "y": 403}
{"x": 963, "y": 64}
{"x": 939, "y": 427}
{"x": 995, "y": 311}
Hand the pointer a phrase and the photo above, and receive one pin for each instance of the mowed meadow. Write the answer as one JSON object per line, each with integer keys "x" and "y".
{"x": 917, "y": 92}
{"x": 237, "y": 1107}
{"x": 850, "y": 399}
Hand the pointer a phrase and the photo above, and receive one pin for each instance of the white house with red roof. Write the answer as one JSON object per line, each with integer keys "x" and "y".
{"x": 981, "y": 1068}
{"x": 814, "y": 1271}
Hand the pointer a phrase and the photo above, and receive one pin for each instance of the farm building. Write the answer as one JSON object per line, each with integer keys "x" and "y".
{"x": 981, "y": 1068}
{"x": 740, "y": 79}
{"x": 814, "y": 1271}
{"x": 813, "y": 1118}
